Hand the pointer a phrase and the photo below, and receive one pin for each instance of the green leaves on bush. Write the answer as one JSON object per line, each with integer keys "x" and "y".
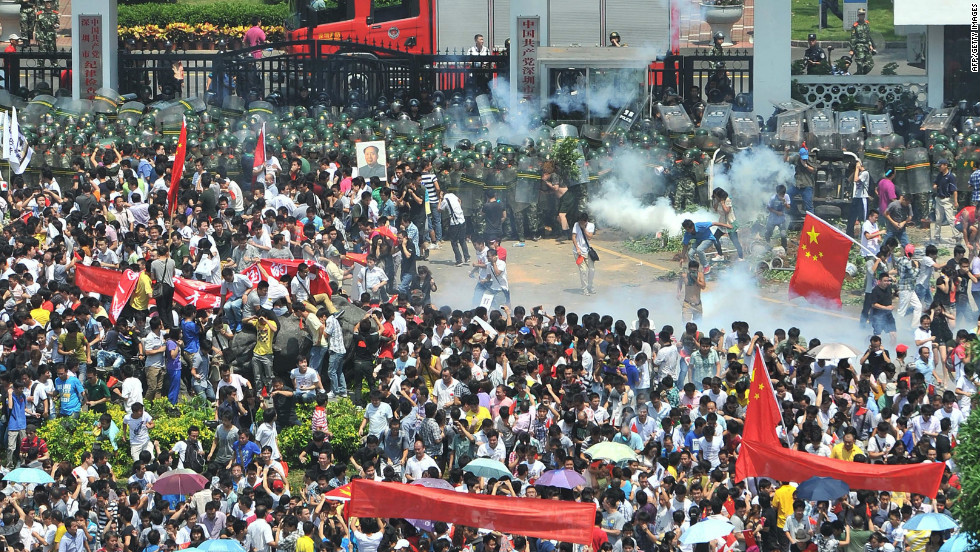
{"x": 68, "y": 438}
{"x": 967, "y": 456}
{"x": 343, "y": 418}
{"x": 219, "y": 13}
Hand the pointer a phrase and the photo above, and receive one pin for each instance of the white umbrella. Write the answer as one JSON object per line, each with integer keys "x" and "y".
{"x": 832, "y": 351}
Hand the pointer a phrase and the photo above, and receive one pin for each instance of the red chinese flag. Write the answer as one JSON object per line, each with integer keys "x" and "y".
{"x": 351, "y": 258}
{"x": 821, "y": 260}
{"x": 200, "y": 294}
{"x": 259, "y": 157}
{"x": 762, "y": 413}
{"x": 562, "y": 521}
{"x": 178, "y": 171}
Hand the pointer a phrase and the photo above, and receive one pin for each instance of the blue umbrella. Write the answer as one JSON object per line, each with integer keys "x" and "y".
{"x": 487, "y": 467}
{"x": 822, "y": 488}
{"x": 221, "y": 545}
{"x": 930, "y": 522}
{"x": 28, "y": 475}
{"x": 706, "y": 531}
{"x": 960, "y": 542}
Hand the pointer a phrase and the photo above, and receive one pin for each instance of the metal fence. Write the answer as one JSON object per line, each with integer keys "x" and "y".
{"x": 337, "y": 72}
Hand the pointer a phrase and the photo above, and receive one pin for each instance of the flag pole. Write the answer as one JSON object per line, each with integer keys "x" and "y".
{"x": 838, "y": 230}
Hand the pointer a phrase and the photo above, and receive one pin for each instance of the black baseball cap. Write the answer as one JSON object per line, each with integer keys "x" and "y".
{"x": 812, "y": 36}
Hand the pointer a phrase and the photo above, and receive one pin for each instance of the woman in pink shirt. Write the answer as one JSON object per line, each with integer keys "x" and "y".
{"x": 255, "y": 36}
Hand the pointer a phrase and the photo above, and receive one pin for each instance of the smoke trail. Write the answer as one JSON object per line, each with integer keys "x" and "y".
{"x": 752, "y": 179}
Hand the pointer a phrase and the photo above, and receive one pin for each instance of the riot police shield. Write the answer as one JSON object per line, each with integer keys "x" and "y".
{"x": 107, "y": 101}
{"x": 822, "y": 127}
{"x": 37, "y": 108}
{"x": 789, "y": 130}
{"x": 716, "y": 117}
{"x": 878, "y": 124}
{"x": 489, "y": 113}
{"x": 65, "y": 107}
{"x": 940, "y": 119}
{"x": 261, "y": 111}
{"x": 195, "y": 104}
{"x": 918, "y": 170}
{"x": 849, "y": 126}
{"x": 131, "y": 112}
{"x": 233, "y": 106}
{"x": 675, "y": 118}
{"x": 745, "y": 131}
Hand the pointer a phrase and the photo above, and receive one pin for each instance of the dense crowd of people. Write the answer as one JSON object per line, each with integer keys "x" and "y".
{"x": 528, "y": 386}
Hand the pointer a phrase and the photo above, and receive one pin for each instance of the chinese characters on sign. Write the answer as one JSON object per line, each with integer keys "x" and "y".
{"x": 528, "y": 32}
{"x": 90, "y": 54}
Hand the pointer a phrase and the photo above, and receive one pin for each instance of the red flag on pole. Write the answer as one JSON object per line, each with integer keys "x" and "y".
{"x": 259, "y": 156}
{"x": 124, "y": 290}
{"x": 821, "y": 260}
{"x": 178, "y": 170}
{"x": 762, "y": 411}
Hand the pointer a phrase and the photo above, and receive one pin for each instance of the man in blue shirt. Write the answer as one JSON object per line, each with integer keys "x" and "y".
{"x": 700, "y": 234}
{"x": 70, "y": 391}
{"x": 17, "y": 426}
{"x": 244, "y": 450}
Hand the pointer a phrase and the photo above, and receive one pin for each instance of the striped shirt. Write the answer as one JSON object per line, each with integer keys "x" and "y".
{"x": 430, "y": 182}
{"x": 974, "y": 185}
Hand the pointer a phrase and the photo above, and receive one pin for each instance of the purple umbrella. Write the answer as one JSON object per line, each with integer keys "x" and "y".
{"x": 432, "y": 483}
{"x": 565, "y": 479}
{"x": 180, "y": 482}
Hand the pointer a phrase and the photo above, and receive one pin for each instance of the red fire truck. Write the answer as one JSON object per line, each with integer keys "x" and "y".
{"x": 438, "y": 26}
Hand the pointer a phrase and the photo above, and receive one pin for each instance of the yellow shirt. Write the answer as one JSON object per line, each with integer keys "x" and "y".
{"x": 77, "y": 345}
{"x": 474, "y": 419}
{"x": 141, "y": 294}
{"x": 304, "y": 544}
{"x": 839, "y": 453}
{"x": 263, "y": 338}
{"x": 41, "y": 316}
{"x": 59, "y": 533}
{"x": 783, "y": 502}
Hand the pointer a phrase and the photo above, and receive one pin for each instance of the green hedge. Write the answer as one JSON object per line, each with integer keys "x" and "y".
{"x": 219, "y": 13}
{"x": 67, "y": 438}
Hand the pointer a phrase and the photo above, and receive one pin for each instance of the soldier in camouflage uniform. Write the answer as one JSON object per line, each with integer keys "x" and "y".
{"x": 684, "y": 184}
{"x": 28, "y": 17}
{"x": 48, "y": 22}
{"x": 862, "y": 45}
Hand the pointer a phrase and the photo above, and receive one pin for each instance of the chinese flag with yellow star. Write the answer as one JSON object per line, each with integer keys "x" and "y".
{"x": 178, "y": 170}
{"x": 761, "y": 414}
{"x": 820, "y": 263}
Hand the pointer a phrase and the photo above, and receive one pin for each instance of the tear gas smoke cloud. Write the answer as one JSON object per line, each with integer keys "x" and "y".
{"x": 623, "y": 201}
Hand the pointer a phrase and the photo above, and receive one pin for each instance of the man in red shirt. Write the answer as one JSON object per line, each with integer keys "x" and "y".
{"x": 12, "y": 47}
{"x": 255, "y": 36}
{"x": 387, "y": 332}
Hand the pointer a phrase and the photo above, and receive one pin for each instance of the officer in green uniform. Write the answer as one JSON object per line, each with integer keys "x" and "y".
{"x": 28, "y": 18}
{"x": 47, "y": 26}
{"x": 862, "y": 45}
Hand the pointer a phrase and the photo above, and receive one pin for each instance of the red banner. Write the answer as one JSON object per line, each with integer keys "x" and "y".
{"x": 125, "y": 287}
{"x": 761, "y": 460}
{"x": 259, "y": 155}
{"x": 557, "y": 520}
{"x": 276, "y": 268}
{"x": 200, "y": 294}
{"x": 762, "y": 455}
{"x": 96, "y": 279}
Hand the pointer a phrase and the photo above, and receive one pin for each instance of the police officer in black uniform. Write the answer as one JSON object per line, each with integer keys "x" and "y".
{"x": 814, "y": 54}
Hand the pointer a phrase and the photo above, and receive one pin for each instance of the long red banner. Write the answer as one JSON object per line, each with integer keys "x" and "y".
{"x": 563, "y": 521}
{"x": 757, "y": 459}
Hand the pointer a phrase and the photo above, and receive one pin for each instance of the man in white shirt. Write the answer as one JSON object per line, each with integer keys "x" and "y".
{"x": 258, "y": 536}
{"x": 581, "y": 232}
{"x": 479, "y": 47}
{"x": 871, "y": 235}
{"x": 493, "y": 448}
{"x": 418, "y": 464}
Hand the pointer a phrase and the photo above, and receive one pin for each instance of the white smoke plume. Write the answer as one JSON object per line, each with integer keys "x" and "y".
{"x": 623, "y": 201}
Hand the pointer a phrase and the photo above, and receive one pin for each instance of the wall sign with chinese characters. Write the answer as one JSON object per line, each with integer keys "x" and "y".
{"x": 90, "y": 53}
{"x": 529, "y": 37}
